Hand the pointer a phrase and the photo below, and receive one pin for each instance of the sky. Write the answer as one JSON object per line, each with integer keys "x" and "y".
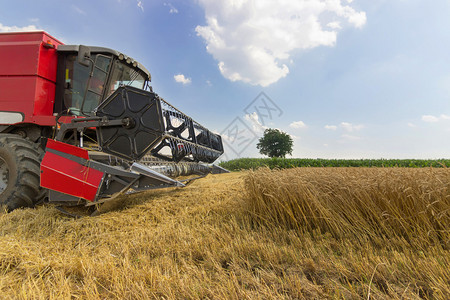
{"x": 345, "y": 78}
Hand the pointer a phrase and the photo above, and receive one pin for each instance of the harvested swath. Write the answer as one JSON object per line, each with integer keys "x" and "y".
{"x": 383, "y": 205}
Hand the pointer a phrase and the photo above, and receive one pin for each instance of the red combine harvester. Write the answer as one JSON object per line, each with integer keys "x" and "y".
{"x": 80, "y": 125}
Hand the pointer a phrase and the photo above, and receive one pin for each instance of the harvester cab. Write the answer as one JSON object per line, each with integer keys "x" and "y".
{"x": 87, "y": 127}
{"x": 91, "y": 74}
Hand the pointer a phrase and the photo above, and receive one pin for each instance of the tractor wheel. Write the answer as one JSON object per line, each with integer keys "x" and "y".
{"x": 19, "y": 172}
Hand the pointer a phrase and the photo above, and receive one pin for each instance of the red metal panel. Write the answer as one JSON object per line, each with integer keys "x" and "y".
{"x": 17, "y": 94}
{"x": 48, "y": 58}
{"x": 26, "y": 55}
{"x": 50, "y": 120}
{"x": 31, "y": 95}
{"x": 67, "y": 176}
{"x": 45, "y": 98}
{"x": 28, "y": 74}
{"x": 23, "y": 58}
{"x": 66, "y": 148}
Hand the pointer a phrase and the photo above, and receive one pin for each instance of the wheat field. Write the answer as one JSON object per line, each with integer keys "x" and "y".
{"x": 377, "y": 204}
{"x": 307, "y": 233}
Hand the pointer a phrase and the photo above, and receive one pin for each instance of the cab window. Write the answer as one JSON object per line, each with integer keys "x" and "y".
{"x": 83, "y": 93}
{"x": 124, "y": 75}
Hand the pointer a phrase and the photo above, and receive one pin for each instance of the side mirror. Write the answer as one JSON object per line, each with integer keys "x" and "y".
{"x": 84, "y": 55}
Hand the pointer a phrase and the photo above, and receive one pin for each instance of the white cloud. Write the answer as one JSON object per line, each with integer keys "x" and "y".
{"x": 253, "y": 40}
{"x": 434, "y": 119}
{"x": 334, "y": 25}
{"x": 182, "y": 79}
{"x": 4, "y": 28}
{"x": 253, "y": 118}
{"x": 411, "y": 125}
{"x": 140, "y": 5}
{"x": 172, "y": 9}
{"x": 298, "y": 124}
{"x": 208, "y": 83}
{"x": 430, "y": 119}
{"x": 78, "y": 10}
{"x": 349, "y": 137}
{"x": 350, "y": 127}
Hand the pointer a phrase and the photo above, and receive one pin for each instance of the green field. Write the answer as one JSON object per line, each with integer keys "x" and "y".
{"x": 286, "y": 163}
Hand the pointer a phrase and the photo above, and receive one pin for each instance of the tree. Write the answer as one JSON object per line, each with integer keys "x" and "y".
{"x": 275, "y": 143}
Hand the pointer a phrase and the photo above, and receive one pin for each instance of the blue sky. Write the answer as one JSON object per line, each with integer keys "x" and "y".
{"x": 346, "y": 79}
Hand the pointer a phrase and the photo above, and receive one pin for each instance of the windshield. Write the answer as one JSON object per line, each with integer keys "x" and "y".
{"x": 125, "y": 75}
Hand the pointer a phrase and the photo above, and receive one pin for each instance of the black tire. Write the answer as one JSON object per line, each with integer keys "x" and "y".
{"x": 19, "y": 172}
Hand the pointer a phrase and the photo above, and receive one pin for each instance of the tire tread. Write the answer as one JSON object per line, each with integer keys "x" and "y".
{"x": 27, "y": 157}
